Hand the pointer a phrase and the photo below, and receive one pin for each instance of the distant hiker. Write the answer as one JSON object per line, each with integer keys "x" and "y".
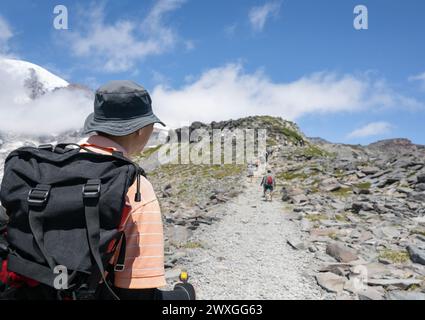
{"x": 268, "y": 182}
{"x": 115, "y": 236}
{"x": 269, "y": 152}
{"x": 257, "y": 164}
{"x": 250, "y": 172}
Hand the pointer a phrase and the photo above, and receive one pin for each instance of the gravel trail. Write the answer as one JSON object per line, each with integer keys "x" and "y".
{"x": 246, "y": 256}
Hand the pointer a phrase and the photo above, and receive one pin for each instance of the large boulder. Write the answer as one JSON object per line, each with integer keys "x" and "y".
{"x": 341, "y": 252}
{"x": 331, "y": 282}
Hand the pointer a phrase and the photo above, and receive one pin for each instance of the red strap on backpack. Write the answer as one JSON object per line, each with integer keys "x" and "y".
{"x": 14, "y": 280}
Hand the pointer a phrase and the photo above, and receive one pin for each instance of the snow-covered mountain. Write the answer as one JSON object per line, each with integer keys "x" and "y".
{"x": 34, "y": 101}
{"x": 21, "y": 70}
{"x": 28, "y": 81}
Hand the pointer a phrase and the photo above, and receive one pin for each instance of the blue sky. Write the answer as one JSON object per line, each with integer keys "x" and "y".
{"x": 211, "y": 60}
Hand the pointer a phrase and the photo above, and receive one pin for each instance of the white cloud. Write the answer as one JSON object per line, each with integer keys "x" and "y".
{"x": 5, "y": 35}
{"x": 118, "y": 46}
{"x": 258, "y": 16}
{"x": 229, "y": 92}
{"x": 372, "y": 129}
{"x": 420, "y": 78}
{"x": 54, "y": 112}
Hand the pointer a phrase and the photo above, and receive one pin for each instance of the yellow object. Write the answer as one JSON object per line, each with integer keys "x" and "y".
{"x": 184, "y": 276}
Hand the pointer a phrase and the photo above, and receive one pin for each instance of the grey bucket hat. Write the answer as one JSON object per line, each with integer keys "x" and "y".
{"x": 121, "y": 108}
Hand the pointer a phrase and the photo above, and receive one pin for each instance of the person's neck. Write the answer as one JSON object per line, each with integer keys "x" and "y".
{"x": 122, "y": 142}
{"x": 125, "y": 143}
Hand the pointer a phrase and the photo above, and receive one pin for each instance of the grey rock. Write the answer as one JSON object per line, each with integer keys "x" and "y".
{"x": 420, "y": 187}
{"x": 418, "y": 196}
{"x": 330, "y": 185}
{"x": 370, "y": 170}
{"x": 370, "y": 293}
{"x": 341, "y": 252}
{"x": 362, "y": 206}
{"x": 404, "y": 190}
{"x": 421, "y": 178}
{"x": 331, "y": 282}
{"x": 296, "y": 244}
{"x": 417, "y": 255}
{"x": 404, "y": 295}
{"x": 301, "y": 198}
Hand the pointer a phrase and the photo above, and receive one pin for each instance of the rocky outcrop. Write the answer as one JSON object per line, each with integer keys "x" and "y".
{"x": 363, "y": 213}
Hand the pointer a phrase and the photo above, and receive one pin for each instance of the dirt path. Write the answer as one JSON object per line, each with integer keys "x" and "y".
{"x": 246, "y": 256}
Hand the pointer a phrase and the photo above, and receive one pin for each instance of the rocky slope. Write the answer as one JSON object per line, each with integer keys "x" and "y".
{"x": 359, "y": 209}
{"x": 362, "y": 211}
{"x": 352, "y": 217}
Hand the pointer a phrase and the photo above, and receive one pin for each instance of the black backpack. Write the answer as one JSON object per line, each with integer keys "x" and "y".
{"x": 65, "y": 206}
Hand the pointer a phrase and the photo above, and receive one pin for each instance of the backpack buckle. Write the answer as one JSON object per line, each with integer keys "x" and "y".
{"x": 91, "y": 189}
{"x": 47, "y": 147}
{"x": 38, "y": 196}
{"x": 119, "y": 267}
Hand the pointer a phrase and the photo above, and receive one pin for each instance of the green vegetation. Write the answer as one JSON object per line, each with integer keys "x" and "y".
{"x": 341, "y": 217}
{"x": 292, "y": 135}
{"x": 223, "y": 171}
{"x": 333, "y": 236}
{"x": 192, "y": 245}
{"x": 315, "y": 152}
{"x": 188, "y": 181}
{"x": 278, "y": 126}
{"x": 363, "y": 185}
{"x": 394, "y": 256}
{"x": 339, "y": 173}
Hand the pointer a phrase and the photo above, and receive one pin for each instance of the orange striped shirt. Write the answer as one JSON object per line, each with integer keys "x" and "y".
{"x": 144, "y": 261}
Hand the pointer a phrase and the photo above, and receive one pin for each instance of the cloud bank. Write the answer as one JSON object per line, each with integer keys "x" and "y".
{"x": 54, "y": 112}
{"x": 229, "y": 92}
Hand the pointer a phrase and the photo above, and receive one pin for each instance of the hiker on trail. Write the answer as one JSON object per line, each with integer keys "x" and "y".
{"x": 250, "y": 172}
{"x": 269, "y": 152}
{"x": 121, "y": 126}
{"x": 268, "y": 182}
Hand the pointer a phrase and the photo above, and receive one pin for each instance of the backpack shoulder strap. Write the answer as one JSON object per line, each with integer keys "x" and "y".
{"x": 91, "y": 194}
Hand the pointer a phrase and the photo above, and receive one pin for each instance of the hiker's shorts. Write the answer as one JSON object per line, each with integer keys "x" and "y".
{"x": 266, "y": 187}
